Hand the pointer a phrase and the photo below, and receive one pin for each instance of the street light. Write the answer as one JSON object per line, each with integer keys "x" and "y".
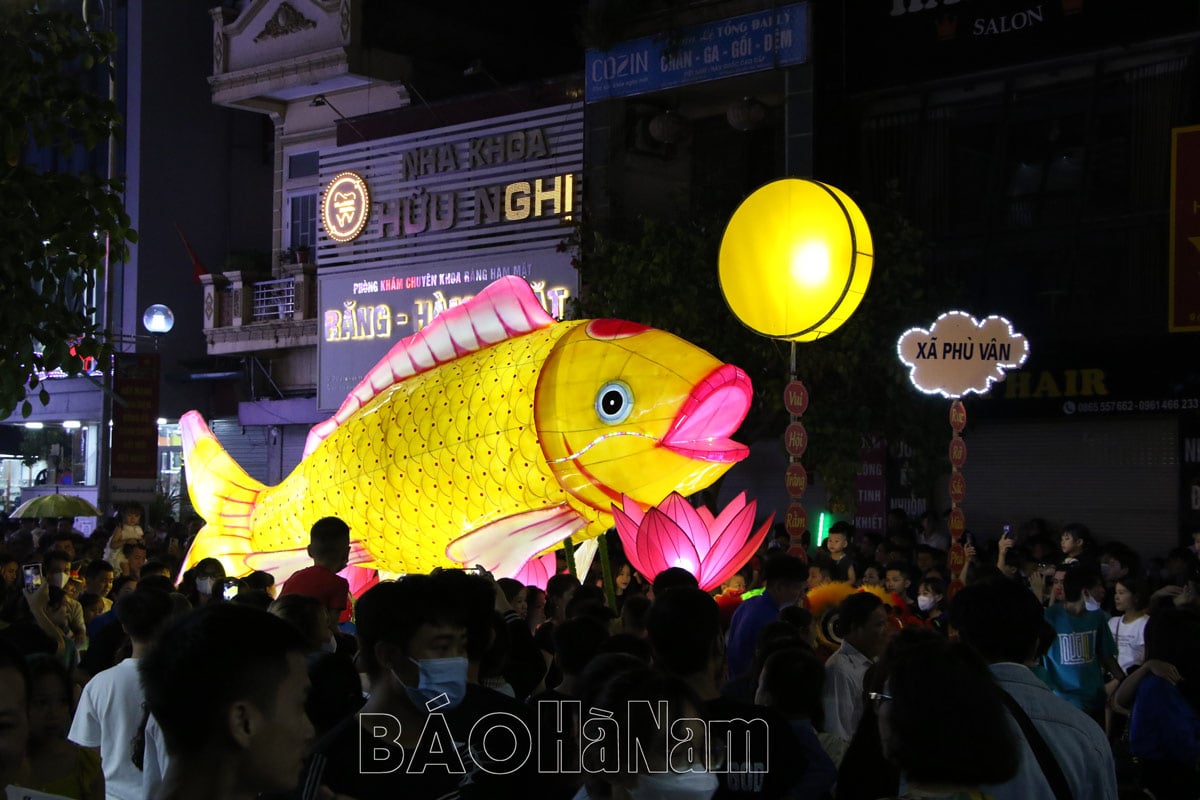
{"x": 158, "y": 319}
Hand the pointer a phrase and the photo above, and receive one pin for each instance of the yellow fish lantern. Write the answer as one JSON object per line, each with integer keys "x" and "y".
{"x": 488, "y": 437}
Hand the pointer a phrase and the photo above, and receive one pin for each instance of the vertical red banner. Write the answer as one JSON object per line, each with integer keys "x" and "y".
{"x": 870, "y": 486}
{"x": 958, "y": 489}
{"x": 135, "y": 416}
{"x": 1184, "y": 286}
{"x": 795, "y": 442}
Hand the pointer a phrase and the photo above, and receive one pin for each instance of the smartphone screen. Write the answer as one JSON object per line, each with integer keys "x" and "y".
{"x": 1007, "y": 531}
{"x": 33, "y": 577}
{"x": 229, "y": 591}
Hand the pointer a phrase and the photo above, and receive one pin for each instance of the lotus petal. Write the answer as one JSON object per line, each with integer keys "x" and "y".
{"x": 632, "y": 508}
{"x": 732, "y": 538}
{"x": 661, "y": 541}
{"x": 739, "y": 558}
{"x": 537, "y": 571}
{"x": 731, "y": 510}
{"x": 627, "y": 530}
{"x": 651, "y": 557}
{"x": 686, "y": 517}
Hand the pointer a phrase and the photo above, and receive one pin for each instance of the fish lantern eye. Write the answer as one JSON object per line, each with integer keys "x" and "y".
{"x": 614, "y": 402}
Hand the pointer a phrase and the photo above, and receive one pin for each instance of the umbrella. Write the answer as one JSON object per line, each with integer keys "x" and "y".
{"x": 55, "y": 505}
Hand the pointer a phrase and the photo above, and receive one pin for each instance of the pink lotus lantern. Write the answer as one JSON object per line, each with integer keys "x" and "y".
{"x": 537, "y": 571}
{"x": 676, "y": 534}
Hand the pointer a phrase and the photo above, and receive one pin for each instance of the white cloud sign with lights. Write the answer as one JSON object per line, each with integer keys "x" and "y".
{"x": 959, "y": 354}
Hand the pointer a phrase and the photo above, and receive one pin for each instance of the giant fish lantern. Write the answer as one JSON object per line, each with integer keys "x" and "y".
{"x": 486, "y": 438}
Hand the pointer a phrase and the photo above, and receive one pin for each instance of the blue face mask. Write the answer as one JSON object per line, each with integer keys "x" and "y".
{"x": 442, "y": 683}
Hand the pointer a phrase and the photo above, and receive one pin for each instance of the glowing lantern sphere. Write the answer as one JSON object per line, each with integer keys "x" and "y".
{"x": 795, "y": 260}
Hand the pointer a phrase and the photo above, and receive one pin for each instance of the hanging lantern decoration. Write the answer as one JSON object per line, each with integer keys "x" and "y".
{"x": 960, "y": 355}
{"x": 676, "y": 534}
{"x": 795, "y": 260}
{"x": 958, "y": 488}
{"x": 795, "y": 441}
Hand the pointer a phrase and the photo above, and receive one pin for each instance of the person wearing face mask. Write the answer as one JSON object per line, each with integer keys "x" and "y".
{"x": 56, "y": 567}
{"x": 410, "y": 738}
{"x": 1083, "y": 649}
{"x": 931, "y": 600}
{"x": 200, "y": 580}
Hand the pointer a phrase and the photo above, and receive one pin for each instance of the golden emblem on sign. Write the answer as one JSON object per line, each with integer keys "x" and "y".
{"x": 345, "y": 206}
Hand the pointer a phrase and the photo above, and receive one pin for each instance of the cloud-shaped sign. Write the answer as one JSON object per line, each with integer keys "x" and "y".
{"x": 959, "y": 354}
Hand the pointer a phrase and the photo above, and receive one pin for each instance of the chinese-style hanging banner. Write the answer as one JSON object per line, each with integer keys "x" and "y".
{"x": 795, "y": 442}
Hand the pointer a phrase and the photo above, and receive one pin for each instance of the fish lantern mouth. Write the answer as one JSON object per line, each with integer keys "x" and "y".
{"x": 710, "y": 415}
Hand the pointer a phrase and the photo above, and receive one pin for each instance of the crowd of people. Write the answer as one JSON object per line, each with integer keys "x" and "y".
{"x": 892, "y": 664}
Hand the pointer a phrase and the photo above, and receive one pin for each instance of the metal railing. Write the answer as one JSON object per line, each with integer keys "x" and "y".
{"x": 274, "y": 299}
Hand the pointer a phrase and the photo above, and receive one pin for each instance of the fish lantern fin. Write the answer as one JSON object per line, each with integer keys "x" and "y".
{"x": 585, "y": 553}
{"x": 222, "y": 494}
{"x": 283, "y": 563}
{"x": 502, "y": 547}
{"x": 280, "y": 563}
{"x": 506, "y": 309}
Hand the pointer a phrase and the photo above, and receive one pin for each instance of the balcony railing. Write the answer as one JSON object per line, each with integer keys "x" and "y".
{"x": 246, "y": 315}
{"x": 274, "y": 299}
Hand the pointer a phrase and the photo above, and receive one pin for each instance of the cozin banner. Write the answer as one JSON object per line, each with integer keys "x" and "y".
{"x": 764, "y": 40}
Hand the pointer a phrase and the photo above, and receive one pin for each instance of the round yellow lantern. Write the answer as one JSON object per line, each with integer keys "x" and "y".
{"x": 796, "y": 259}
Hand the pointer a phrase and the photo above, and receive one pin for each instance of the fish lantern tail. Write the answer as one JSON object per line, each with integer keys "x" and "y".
{"x": 222, "y": 494}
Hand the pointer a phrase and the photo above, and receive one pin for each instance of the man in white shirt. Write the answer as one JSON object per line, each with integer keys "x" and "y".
{"x": 1001, "y": 620}
{"x": 863, "y": 619}
{"x": 110, "y": 708}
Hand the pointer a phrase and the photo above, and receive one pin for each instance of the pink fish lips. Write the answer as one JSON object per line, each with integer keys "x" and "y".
{"x": 710, "y": 415}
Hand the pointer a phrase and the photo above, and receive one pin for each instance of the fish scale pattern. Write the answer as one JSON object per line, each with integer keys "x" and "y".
{"x": 440, "y": 453}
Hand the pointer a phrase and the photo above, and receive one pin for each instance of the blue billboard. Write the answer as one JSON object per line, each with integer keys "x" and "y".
{"x": 722, "y": 49}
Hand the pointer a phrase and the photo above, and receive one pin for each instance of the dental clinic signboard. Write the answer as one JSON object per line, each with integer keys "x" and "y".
{"x": 415, "y": 224}
{"x": 741, "y": 45}
{"x": 364, "y": 314}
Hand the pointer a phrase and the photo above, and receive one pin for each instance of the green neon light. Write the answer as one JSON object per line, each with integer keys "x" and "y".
{"x": 823, "y": 526}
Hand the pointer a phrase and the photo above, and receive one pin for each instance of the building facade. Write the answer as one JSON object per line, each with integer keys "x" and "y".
{"x": 190, "y": 175}
{"x": 1031, "y": 143}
